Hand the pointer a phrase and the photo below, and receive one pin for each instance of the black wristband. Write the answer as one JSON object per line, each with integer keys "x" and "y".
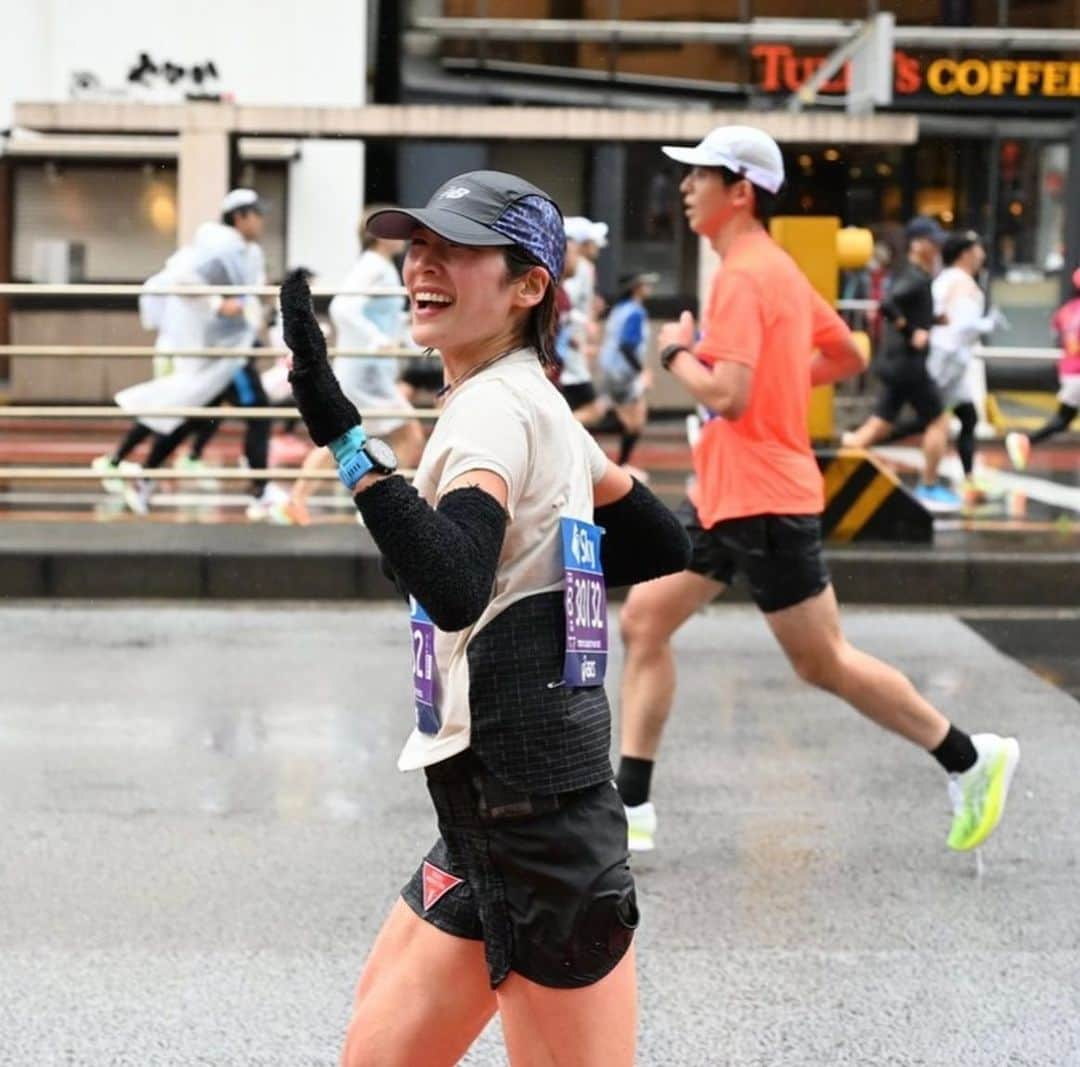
{"x": 667, "y": 355}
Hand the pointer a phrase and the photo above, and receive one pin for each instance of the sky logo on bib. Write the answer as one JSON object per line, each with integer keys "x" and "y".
{"x": 437, "y": 883}
{"x": 456, "y": 193}
{"x": 583, "y": 548}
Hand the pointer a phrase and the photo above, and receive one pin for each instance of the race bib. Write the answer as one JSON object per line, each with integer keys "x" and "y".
{"x": 428, "y": 720}
{"x": 586, "y": 604}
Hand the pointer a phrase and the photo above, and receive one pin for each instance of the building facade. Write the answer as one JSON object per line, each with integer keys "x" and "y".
{"x": 997, "y": 121}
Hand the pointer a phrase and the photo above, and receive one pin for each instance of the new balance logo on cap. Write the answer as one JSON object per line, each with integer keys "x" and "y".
{"x": 454, "y": 194}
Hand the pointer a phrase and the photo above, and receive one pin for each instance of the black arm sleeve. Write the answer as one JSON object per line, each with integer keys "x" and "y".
{"x": 629, "y": 353}
{"x": 445, "y": 557}
{"x": 642, "y": 539}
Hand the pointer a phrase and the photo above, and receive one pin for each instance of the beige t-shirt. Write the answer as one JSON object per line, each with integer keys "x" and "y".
{"x": 511, "y": 420}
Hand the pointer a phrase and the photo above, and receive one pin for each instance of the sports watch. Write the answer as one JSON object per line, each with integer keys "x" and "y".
{"x": 357, "y": 455}
{"x": 668, "y": 354}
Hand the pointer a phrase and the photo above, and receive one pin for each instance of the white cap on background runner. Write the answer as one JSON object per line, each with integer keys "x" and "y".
{"x": 580, "y": 229}
{"x": 238, "y": 199}
{"x": 746, "y": 150}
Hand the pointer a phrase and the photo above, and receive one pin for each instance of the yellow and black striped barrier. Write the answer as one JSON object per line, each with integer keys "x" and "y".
{"x": 865, "y": 501}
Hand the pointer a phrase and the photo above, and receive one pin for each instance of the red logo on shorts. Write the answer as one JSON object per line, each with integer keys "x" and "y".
{"x": 437, "y": 883}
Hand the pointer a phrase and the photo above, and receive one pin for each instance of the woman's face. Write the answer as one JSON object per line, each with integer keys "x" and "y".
{"x": 461, "y": 295}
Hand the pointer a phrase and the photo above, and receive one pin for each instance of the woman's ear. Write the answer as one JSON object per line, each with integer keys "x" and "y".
{"x": 531, "y": 286}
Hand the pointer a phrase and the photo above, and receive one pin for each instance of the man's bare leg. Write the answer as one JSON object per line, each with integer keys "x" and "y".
{"x": 935, "y": 442}
{"x": 650, "y": 617}
{"x": 872, "y": 431}
{"x": 811, "y": 635}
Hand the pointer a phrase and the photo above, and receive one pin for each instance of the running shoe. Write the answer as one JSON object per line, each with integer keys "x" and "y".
{"x": 290, "y": 513}
{"x": 260, "y": 508}
{"x": 641, "y": 822}
{"x": 194, "y": 463}
{"x": 978, "y": 795}
{"x": 986, "y": 487}
{"x": 137, "y": 496}
{"x": 1018, "y": 447}
{"x": 971, "y": 495}
{"x": 938, "y": 498}
{"x": 104, "y": 466}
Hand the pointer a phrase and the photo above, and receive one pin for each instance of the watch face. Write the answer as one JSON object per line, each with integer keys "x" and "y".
{"x": 381, "y": 454}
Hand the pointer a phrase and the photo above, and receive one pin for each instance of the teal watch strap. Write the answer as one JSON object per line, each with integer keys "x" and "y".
{"x": 352, "y": 461}
{"x": 348, "y": 444}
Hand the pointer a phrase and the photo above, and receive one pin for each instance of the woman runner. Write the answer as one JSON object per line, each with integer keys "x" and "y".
{"x": 525, "y": 904}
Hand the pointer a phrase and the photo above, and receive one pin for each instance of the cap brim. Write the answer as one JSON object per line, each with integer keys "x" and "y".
{"x": 694, "y": 157}
{"x": 398, "y": 224}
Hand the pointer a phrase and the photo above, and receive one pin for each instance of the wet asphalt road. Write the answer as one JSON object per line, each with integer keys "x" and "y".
{"x": 202, "y": 828}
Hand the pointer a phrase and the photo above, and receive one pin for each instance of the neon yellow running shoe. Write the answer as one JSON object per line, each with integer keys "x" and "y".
{"x": 641, "y": 824}
{"x": 979, "y": 794}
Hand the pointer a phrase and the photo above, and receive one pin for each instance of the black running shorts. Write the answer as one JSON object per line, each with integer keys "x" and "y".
{"x": 543, "y": 881}
{"x": 915, "y": 388}
{"x": 780, "y": 555}
{"x": 579, "y": 395}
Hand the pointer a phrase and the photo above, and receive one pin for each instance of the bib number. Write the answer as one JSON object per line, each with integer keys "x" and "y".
{"x": 586, "y": 605}
{"x": 428, "y": 719}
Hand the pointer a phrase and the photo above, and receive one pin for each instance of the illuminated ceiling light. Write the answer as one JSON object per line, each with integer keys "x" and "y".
{"x": 1016, "y": 209}
{"x": 832, "y": 155}
{"x": 883, "y": 169}
{"x": 806, "y": 161}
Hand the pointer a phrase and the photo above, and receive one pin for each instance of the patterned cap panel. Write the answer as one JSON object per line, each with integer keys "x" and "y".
{"x": 536, "y": 224}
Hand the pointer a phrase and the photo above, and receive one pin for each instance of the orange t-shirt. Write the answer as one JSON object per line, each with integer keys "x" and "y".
{"x": 764, "y": 313}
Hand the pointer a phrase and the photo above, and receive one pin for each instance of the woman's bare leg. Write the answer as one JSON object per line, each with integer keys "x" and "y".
{"x": 424, "y": 997}
{"x": 591, "y": 1027}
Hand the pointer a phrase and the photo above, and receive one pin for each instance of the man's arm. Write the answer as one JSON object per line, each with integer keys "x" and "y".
{"x": 835, "y": 360}
{"x": 838, "y": 355}
{"x": 724, "y": 389}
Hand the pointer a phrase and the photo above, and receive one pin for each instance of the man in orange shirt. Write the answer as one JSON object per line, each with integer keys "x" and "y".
{"x": 766, "y": 339}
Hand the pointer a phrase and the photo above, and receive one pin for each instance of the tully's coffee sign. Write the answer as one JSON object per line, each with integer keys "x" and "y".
{"x": 781, "y": 70}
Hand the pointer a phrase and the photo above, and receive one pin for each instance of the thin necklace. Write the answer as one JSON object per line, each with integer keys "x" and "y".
{"x": 474, "y": 370}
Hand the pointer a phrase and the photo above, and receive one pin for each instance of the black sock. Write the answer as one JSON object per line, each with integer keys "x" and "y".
{"x": 626, "y": 446}
{"x": 956, "y": 753}
{"x": 633, "y": 780}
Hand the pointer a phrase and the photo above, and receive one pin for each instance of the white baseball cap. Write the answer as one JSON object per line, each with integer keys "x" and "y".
{"x": 746, "y": 150}
{"x": 238, "y": 199}
{"x": 580, "y": 229}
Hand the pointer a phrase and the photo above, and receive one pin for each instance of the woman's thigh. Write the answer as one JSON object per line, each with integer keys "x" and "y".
{"x": 423, "y": 997}
{"x": 591, "y": 1027}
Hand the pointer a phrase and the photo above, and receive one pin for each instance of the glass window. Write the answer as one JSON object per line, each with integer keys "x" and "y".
{"x": 1027, "y": 255}
{"x": 117, "y": 222}
{"x": 950, "y": 12}
{"x": 800, "y": 9}
{"x": 1035, "y": 14}
{"x": 655, "y": 235}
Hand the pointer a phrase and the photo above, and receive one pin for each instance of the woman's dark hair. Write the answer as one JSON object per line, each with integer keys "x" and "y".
{"x": 765, "y": 203}
{"x": 543, "y": 321}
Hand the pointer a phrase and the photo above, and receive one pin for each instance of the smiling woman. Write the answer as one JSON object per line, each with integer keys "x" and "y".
{"x": 526, "y": 893}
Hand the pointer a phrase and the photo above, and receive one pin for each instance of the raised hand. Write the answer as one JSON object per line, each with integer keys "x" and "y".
{"x": 326, "y": 410}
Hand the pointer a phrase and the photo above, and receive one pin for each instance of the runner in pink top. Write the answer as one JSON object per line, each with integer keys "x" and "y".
{"x": 1066, "y": 327}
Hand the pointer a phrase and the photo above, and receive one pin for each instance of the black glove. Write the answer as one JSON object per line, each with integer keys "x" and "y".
{"x": 326, "y": 410}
